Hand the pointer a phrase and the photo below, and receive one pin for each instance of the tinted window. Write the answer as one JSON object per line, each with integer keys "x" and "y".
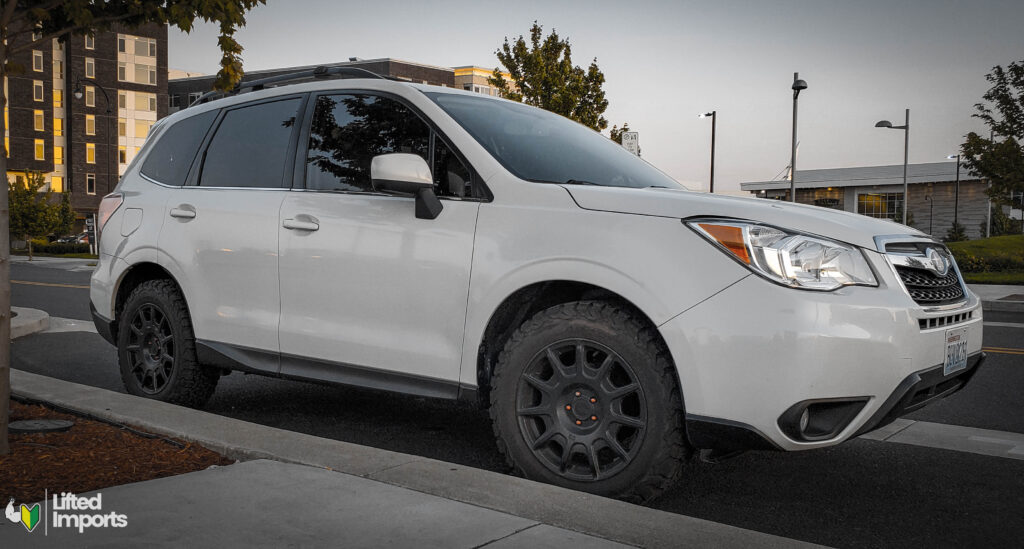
{"x": 451, "y": 178}
{"x": 250, "y": 146}
{"x": 173, "y": 154}
{"x": 349, "y": 130}
{"x": 537, "y": 145}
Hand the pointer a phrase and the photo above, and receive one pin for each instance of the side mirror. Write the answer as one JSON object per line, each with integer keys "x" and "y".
{"x": 404, "y": 173}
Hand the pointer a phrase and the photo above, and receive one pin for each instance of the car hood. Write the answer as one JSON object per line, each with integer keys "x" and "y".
{"x": 847, "y": 227}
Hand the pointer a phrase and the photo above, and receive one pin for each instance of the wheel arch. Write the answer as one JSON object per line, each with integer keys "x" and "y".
{"x": 130, "y": 279}
{"x": 527, "y": 301}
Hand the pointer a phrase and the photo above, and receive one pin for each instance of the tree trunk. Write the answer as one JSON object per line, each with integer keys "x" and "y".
{"x": 5, "y": 272}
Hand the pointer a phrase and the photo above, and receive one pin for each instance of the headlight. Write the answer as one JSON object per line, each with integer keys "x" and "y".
{"x": 789, "y": 258}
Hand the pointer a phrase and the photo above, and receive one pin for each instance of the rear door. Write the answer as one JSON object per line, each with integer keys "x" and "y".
{"x": 221, "y": 229}
{"x": 370, "y": 294}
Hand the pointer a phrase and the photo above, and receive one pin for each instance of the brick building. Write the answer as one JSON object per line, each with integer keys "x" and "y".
{"x": 877, "y": 191}
{"x": 81, "y": 109}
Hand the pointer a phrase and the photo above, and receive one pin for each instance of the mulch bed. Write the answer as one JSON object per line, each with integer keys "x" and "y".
{"x": 90, "y": 456}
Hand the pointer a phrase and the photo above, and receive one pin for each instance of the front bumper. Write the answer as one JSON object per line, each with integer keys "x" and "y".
{"x": 756, "y": 350}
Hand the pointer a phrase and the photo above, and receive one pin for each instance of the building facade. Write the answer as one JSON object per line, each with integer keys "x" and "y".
{"x": 477, "y": 79}
{"x": 877, "y": 191}
{"x": 82, "y": 109}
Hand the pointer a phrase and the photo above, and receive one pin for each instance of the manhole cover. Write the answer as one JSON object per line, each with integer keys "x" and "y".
{"x": 39, "y": 426}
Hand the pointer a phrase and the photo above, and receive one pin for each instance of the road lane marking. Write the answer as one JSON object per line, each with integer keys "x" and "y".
{"x": 53, "y": 284}
{"x": 1003, "y": 350}
{"x": 952, "y": 437}
{"x": 1004, "y": 324}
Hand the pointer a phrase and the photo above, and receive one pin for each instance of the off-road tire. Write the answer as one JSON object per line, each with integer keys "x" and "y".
{"x": 662, "y": 450}
{"x": 189, "y": 383}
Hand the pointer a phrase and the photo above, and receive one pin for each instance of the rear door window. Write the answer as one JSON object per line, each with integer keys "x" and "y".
{"x": 250, "y": 147}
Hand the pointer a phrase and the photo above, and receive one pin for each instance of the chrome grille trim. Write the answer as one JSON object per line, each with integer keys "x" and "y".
{"x": 910, "y": 263}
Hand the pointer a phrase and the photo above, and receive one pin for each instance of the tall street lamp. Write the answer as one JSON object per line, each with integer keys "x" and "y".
{"x": 714, "y": 117}
{"x": 956, "y": 191}
{"x": 797, "y": 87}
{"x": 906, "y": 147}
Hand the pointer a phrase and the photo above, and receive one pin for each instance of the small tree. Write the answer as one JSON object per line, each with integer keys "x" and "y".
{"x": 65, "y": 215}
{"x": 34, "y": 214}
{"x": 956, "y": 233}
{"x": 544, "y": 76}
{"x": 21, "y": 21}
{"x": 616, "y": 132}
{"x": 1000, "y": 158}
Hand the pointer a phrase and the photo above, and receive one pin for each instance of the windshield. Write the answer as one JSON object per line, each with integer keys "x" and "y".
{"x": 537, "y": 145}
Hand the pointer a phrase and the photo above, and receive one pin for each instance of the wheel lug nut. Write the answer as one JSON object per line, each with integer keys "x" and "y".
{"x": 568, "y": 407}
{"x": 592, "y": 399}
{"x": 578, "y": 422}
{"x": 593, "y": 418}
{"x": 577, "y": 393}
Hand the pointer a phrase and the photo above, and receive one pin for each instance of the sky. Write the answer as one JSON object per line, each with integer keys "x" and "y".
{"x": 666, "y": 62}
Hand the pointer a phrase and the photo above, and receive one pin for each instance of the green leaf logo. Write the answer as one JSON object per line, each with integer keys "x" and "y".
{"x": 30, "y": 517}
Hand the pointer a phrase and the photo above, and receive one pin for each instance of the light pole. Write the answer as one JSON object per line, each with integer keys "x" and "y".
{"x": 797, "y": 87}
{"x": 714, "y": 118}
{"x": 906, "y": 148}
{"x": 931, "y": 210}
{"x": 956, "y": 191}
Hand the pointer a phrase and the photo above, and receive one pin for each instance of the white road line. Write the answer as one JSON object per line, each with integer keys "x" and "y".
{"x": 1004, "y": 324}
{"x": 952, "y": 437}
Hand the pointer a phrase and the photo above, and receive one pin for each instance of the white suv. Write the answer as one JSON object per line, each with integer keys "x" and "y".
{"x": 442, "y": 243}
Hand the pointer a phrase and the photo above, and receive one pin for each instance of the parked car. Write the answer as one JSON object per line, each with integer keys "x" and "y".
{"x": 441, "y": 243}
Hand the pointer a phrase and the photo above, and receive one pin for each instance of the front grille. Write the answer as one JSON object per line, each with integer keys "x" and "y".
{"x": 928, "y": 288}
{"x": 942, "y": 321}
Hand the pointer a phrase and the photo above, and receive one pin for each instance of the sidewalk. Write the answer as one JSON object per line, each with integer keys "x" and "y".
{"x": 1000, "y": 297}
{"x": 325, "y": 492}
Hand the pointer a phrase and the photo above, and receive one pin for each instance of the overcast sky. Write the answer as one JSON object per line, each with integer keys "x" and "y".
{"x": 665, "y": 62}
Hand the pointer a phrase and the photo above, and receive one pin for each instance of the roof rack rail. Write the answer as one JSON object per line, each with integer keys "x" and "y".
{"x": 321, "y": 72}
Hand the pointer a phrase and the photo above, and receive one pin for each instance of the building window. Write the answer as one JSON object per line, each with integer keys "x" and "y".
{"x": 39, "y": 120}
{"x": 145, "y": 74}
{"x": 40, "y": 149}
{"x": 37, "y": 90}
{"x": 122, "y": 72}
{"x": 90, "y": 124}
{"x": 122, "y": 99}
{"x": 90, "y": 96}
{"x": 36, "y": 35}
{"x": 122, "y": 155}
{"x": 173, "y": 101}
{"x": 194, "y": 96}
{"x": 58, "y": 68}
{"x": 58, "y": 126}
{"x": 58, "y": 154}
{"x": 90, "y": 42}
{"x": 90, "y": 153}
{"x": 881, "y": 205}
{"x": 152, "y": 102}
{"x": 142, "y": 128}
{"x": 121, "y": 44}
{"x": 90, "y": 183}
{"x": 37, "y": 60}
{"x": 122, "y": 127}
{"x": 90, "y": 67}
{"x": 57, "y": 184}
{"x": 58, "y": 98}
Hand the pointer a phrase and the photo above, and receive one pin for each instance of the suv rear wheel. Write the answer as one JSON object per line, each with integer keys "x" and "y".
{"x": 156, "y": 347}
{"x": 584, "y": 396}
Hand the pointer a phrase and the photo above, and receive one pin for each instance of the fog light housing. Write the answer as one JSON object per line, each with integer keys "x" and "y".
{"x": 821, "y": 419}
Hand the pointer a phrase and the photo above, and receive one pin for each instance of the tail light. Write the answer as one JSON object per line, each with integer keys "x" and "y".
{"x": 108, "y": 206}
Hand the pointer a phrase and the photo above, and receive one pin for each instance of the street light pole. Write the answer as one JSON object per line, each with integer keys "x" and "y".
{"x": 797, "y": 87}
{"x": 714, "y": 118}
{"x": 906, "y": 152}
{"x": 956, "y": 191}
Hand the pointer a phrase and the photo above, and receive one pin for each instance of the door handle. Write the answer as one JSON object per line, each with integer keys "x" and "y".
{"x": 183, "y": 212}
{"x": 300, "y": 225}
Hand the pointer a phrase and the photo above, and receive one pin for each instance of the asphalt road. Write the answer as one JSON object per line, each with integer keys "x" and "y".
{"x": 860, "y": 494}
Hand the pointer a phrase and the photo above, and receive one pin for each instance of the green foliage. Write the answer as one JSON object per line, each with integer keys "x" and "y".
{"x": 1002, "y": 223}
{"x": 32, "y": 213}
{"x": 616, "y": 132}
{"x": 956, "y": 233}
{"x": 1001, "y": 159}
{"x": 80, "y": 17}
{"x": 59, "y": 248}
{"x": 996, "y": 254}
{"x": 1003, "y": 277}
{"x": 543, "y": 76}
{"x": 65, "y": 215}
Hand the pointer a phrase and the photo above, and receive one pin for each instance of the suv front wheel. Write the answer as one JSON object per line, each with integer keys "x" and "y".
{"x": 156, "y": 347}
{"x": 584, "y": 396}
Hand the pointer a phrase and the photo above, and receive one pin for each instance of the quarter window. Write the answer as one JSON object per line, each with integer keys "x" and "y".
{"x": 250, "y": 146}
{"x": 173, "y": 153}
{"x": 349, "y": 130}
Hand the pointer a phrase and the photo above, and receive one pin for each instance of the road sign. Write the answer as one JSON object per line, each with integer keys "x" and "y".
{"x": 631, "y": 142}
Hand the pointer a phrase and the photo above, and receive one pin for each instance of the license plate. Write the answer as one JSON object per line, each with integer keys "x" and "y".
{"x": 956, "y": 351}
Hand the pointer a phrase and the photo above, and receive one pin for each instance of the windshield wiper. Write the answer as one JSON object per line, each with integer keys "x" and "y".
{"x": 583, "y": 182}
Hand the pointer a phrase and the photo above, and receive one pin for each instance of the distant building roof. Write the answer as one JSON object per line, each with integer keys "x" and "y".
{"x": 250, "y": 74}
{"x": 932, "y": 172}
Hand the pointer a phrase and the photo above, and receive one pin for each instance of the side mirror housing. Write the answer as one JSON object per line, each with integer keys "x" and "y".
{"x": 404, "y": 173}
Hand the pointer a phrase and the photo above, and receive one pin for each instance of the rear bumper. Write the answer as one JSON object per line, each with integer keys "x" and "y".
{"x": 104, "y": 327}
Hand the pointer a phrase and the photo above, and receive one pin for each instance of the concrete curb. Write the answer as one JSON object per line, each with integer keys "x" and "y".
{"x": 1003, "y": 306}
{"x": 604, "y": 518}
{"x": 28, "y": 321}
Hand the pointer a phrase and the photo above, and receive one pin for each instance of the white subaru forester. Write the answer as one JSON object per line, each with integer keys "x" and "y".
{"x": 442, "y": 243}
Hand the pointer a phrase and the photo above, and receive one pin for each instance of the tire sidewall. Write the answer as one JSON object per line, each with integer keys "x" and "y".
{"x": 658, "y": 399}
{"x": 149, "y": 295}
